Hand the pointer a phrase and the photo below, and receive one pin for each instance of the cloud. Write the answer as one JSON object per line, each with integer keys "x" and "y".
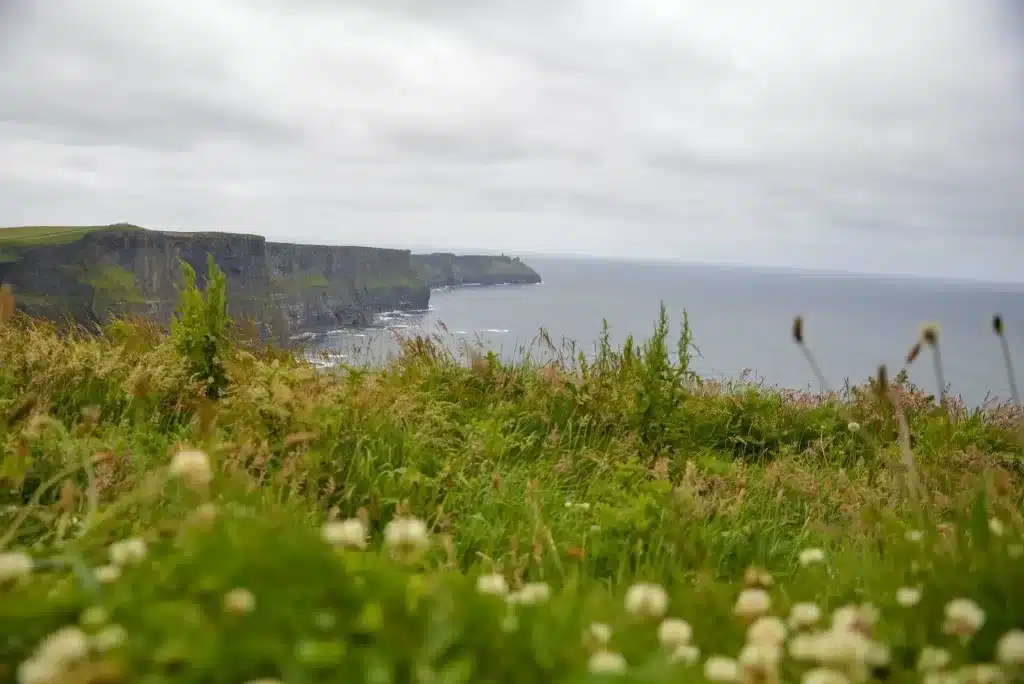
{"x": 786, "y": 133}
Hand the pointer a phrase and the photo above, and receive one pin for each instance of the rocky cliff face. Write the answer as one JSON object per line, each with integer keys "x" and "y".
{"x": 452, "y": 270}
{"x": 90, "y": 275}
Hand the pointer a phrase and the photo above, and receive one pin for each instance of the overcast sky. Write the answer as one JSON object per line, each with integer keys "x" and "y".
{"x": 869, "y": 135}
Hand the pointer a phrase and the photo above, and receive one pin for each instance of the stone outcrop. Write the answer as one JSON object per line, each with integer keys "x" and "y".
{"x": 453, "y": 270}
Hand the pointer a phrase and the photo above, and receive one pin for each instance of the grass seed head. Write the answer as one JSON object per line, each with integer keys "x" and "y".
{"x": 798, "y": 329}
{"x": 598, "y": 634}
{"x": 752, "y": 603}
{"x": 997, "y": 325}
{"x": 348, "y": 534}
{"x": 686, "y": 654}
{"x": 239, "y": 602}
{"x": 607, "y": 662}
{"x": 804, "y": 615}
{"x": 193, "y": 467}
{"x": 646, "y": 600}
{"x": 930, "y": 334}
{"x": 128, "y": 552}
{"x": 767, "y": 629}
{"x": 908, "y": 596}
{"x": 494, "y": 584}
{"x": 964, "y": 617}
{"x": 674, "y": 632}
{"x": 812, "y": 556}
{"x": 721, "y": 669}
{"x": 406, "y": 537}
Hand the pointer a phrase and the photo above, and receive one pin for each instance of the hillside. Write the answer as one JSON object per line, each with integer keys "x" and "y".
{"x": 451, "y": 270}
{"x": 462, "y": 520}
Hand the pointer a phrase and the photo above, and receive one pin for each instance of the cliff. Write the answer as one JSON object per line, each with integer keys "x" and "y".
{"x": 89, "y": 274}
{"x": 452, "y": 270}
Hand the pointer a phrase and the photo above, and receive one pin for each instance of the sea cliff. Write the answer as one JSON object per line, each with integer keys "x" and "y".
{"x": 93, "y": 273}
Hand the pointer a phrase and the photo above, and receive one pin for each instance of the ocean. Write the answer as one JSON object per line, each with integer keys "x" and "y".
{"x": 741, "y": 319}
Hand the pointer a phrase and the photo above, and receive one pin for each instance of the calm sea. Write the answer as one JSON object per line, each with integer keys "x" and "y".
{"x": 741, "y": 319}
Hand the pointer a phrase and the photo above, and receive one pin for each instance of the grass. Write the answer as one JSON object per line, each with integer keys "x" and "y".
{"x": 50, "y": 235}
{"x": 567, "y": 508}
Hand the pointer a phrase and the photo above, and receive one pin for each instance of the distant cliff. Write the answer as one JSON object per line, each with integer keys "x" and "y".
{"x": 451, "y": 270}
{"x": 88, "y": 274}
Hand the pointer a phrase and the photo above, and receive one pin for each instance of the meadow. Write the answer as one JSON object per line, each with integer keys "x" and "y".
{"x": 201, "y": 507}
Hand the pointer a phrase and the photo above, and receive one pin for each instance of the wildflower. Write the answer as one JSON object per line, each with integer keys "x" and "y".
{"x": 492, "y": 585}
{"x": 811, "y": 556}
{"x": 599, "y": 633}
{"x": 193, "y": 467}
{"x": 109, "y": 638}
{"x": 824, "y": 675}
{"x": 1010, "y": 648}
{"x": 758, "y": 577}
{"x": 984, "y": 673}
{"x": 996, "y": 527}
{"x": 14, "y": 565}
{"x": 107, "y": 574}
{"x": 767, "y": 630}
{"x": 674, "y": 632}
{"x": 963, "y": 618}
{"x": 752, "y": 604}
{"x": 606, "y": 662}
{"x": 127, "y": 552}
{"x": 406, "y": 536}
{"x": 64, "y": 647}
{"x": 932, "y": 658}
{"x": 531, "y": 594}
{"x": 908, "y": 596}
{"x": 688, "y": 654}
{"x": 722, "y": 669}
{"x": 853, "y": 427}
{"x": 760, "y": 662}
{"x": 39, "y": 671}
{"x": 804, "y": 615}
{"x": 646, "y": 600}
{"x": 349, "y": 534}
{"x": 914, "y": 536}
{"x": 239, "y": 602}
{"x": 859, "y": 618}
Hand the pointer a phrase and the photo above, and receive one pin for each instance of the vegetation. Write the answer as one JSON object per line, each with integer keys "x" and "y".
{"x": 53, "y": 235}
{"x": 448, "y": 520}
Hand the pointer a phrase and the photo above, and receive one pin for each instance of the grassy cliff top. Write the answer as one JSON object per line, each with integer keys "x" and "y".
{"x": 43, "y": 235}
{"x": 502, "y": 523}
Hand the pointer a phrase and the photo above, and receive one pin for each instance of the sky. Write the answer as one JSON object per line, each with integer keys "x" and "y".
{"x": 863, "y": 135}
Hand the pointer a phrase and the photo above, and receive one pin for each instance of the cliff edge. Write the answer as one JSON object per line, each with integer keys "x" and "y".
{"x": 89, "y": 274}
{"x": 452, "y": 270}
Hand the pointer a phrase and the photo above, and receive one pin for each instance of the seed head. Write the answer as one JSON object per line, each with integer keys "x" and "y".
{"x": 674, "y": 632}
{"x": 531, "y": 594}
{"x": 406, "y": 537}
{"x": 768, "y": 630}
{"x": 858, "y": 618}
{"x": 646, "y": 600}
{"x": 193, "y": 467}
{"x": 964, "y": 617}
{"x": 1010, "y": 648}
{"x": 812, "y": 556}
{"x": 997, "y": 325}
{"x": 804, "y": 615}
{"x": 930, "y": 334}
{"x": 721, "y": 669}
{"x": 758, "y": 577}
{"x": 107, "y": 574}
{"x": 908, "y": 596}
{"x": 598, "y": 634}
{"x": 688, "y": 654}
{"x": 824, "y": 675}
{"x": 752, "y": 604}
{"x": 492, "y": 585}
{"x": 606, "y": 662}
{"x": 882, "y": 379}
{"x": 239, "y": 602}
{"x": 760, "y": 661}
{"x": 798, "y": 329}
{"x": 996, "y": 527}
{"x": 127, "y": 552}
{"x": 349, "y": 534}
{"x": 914, "y": 352}
{"x": 66, "y": 646}
{"x": 39, "y": 671}
{"x": 109, "y": 638}
{"x": 932, "y": 658}
{"x": 14, "y": 565}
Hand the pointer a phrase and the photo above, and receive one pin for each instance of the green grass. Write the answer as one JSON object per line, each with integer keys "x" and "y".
{"x": 587, "y": 475}
{"x": 50, "y": 235}
{"x": 114, "y": 283}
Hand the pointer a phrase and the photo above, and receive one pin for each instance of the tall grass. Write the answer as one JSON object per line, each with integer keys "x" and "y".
{"x": 608, "y": 477}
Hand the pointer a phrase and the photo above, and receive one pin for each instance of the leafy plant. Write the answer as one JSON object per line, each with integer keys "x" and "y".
{"x": 201, "y": 327}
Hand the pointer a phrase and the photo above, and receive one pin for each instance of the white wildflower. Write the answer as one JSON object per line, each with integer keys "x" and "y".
{"x": 768, "y": 630}
{"x": 107, "y": 574}
{"x": 758, "y": 577}
{"x": 531, "y": 594}
{"x": 760, "y": 661}
{"x": 39, "y": 671}
{"x": 908, "y": 596}
{"x": 964, "y": 617}
{"x": 193, "y": 467}
{"x": 646, "y": 600}
{"x": 674, "y": 632}
{"x": 982, "y": 673}
{"x": 996, "y": 527}
{"x": 853, "y": 427}
{"x": 494, "y": 584}
{"x": 914, "y": 536}
{"x": 1010, "y": 648}
{"x": 127, "y": 552}
{"x": 932, "y": 658}
{"x": 606, "y": 662}
{"x": 348, "y": 534}
{"x": 687, "y": 654}
{"x": 599, "y": 634}
{"x": 859, "y": 618}
{"x": 406, "y": 536}
{"x": 824, "y": 675}
{"x": 66, "y": 646}
{"x": 752, "y": 603}
{"x": 239, "y": 602}
{"x": 804, "y": 615}
{"x": 812, "y": 556}
{"x": 722, "y": 669}
{"x": 14, "y": 565}
{"x": 109, "y": 638}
